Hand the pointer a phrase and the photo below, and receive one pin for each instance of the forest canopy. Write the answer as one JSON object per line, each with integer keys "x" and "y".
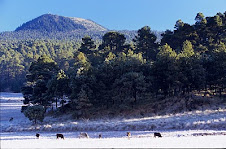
{"x": 112, "y": 72}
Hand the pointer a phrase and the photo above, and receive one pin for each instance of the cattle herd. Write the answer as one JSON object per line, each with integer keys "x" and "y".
{"x": 85, "y": 135}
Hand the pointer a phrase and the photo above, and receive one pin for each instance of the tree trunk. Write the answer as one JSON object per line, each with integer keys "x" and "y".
{"x": 134, "y": 93}
{"x": 220, "y": 92}
{"x": 52, "y": 105}
{"x": 56, "y": 103}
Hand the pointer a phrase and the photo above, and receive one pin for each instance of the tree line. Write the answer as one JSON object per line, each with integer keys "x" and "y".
{"x": 118, "y": 74}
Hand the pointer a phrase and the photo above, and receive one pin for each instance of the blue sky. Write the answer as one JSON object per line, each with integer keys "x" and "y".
{"x": 112, "y": 14}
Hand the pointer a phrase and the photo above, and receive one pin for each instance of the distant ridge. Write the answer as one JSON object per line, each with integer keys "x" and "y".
{"x": 55, "y": 27}
{"x": 55, "y": 23}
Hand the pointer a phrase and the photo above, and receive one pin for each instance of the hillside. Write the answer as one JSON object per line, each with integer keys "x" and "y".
{"x": 55, "y": 23}
{"x": 205, "y": 117}
{"x": 54, "y": 27}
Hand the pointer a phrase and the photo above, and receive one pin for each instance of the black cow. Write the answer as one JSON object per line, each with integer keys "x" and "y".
{"x": 157, "y": 134}
{"x": 11, "y": 119}
{"x": 100, "y": 136}
{"x": 37, "y": 135}
{"x": 59, "y": 135}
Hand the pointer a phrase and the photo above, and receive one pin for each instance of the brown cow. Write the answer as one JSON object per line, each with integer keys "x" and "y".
{"x": 157, "y": 134}
{"x": 59, "y": 135}
{"x": 128, "y": 134}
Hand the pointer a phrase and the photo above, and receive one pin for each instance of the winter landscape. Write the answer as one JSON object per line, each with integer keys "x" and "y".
{"x": 113, "y": 74}
{"x": 192, "y": 129}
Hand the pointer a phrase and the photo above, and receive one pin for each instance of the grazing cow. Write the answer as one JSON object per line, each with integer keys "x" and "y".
{"x": 100, "y": 136}
{"x": 37, "y": 135}
{"x": 83, "y": 135}
{"x": 128, "y": 134}
{"x": 59, "y": 135}
{"x": 157, "y": 134}
{"x": 11, "y": 119}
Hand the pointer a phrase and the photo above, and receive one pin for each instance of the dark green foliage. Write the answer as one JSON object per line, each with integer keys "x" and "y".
{"x": 119, "y": 75}
{"x": 43, "y": 69}
{"x": 23, "y": 108}
{"x": 129, "y": 88}
{"x": 192, "y": 75}
{"x": 40, "y": 73}
{"x": 17, "y": 56}
{"x": 82, "y": 104}
{"x": 58, "y": 87}
{"x": 165, "y": 70}
{"x": 113, "y": 41}
{"x": 216, "y": 70}
{"x": 145, "y": 42}
{"x": 87, "y": 45}
{"x": 35, "y": 113}
{"x": 207, "y": 31}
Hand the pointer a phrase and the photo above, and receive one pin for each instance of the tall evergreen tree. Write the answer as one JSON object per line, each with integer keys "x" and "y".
{"x": 200, "y": 19}
{"x": 145, "y": 43}
{"x": 113, "y": 42}
{"x": 165, "y": 70}
{"x": 40, "y": 72}
{"x": 87, "y": 45}
{"x": 83, "y": 104}
{"x": 191, "y": 73}
{"x": 179, "y": 24}
{"x": 129, "y": 88}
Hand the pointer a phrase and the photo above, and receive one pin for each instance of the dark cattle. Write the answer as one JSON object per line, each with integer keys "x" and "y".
{"x": 100, "y": 136}
{"x": 157, "y": 134}
{"x": 128, "y": 134}
{"x": 37, "y": 135}
{"x": 60, "y": 136}
{"x": 11, "y": 119}
{"x": 83, "y": 135}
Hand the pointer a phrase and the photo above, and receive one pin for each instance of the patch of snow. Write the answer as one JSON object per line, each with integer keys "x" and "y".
{"x": 90, "y": 25}
{"x": 5, "y": 96}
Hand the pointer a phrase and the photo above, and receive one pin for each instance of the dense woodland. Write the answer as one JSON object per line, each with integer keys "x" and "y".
{"x": 113, "y": 73}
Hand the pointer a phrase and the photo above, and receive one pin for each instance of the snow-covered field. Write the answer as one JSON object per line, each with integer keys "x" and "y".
{"x": 145, "y": 142}
{"x": 189, "y": 129}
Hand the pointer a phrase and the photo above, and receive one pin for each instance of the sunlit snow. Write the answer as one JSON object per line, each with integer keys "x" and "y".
{"x": 189, "y": 129}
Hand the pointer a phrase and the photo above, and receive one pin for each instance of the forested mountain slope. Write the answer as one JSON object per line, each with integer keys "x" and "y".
{"x": 49, "y": 26}
{"x": 55, "y": 23}
{"x": 116, "y": 73}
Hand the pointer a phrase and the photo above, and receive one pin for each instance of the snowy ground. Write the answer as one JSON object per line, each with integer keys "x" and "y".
{"x": 208, "y": 130}
{"x": 146, "y": 142}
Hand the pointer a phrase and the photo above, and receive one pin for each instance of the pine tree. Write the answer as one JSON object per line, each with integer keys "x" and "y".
{"x": 191, "y": 73}
{"x": 87, "y": 45}
{"x": 83, "y": 104}
{"x": 145, "y": 43}
{"x": 129, "y": 88}
{"x": 35, "y": 113}
{"x": 165, "y": 70}
{"x": 179, "y": 24}
{"x": 40, "y": 72}
{"x": 200, "y": 19}
{"x": 113, "y": 42}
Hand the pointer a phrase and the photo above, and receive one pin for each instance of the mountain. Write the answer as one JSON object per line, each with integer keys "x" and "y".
{"x": 54, "y": 23}
{"x": 49, "y": 26}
